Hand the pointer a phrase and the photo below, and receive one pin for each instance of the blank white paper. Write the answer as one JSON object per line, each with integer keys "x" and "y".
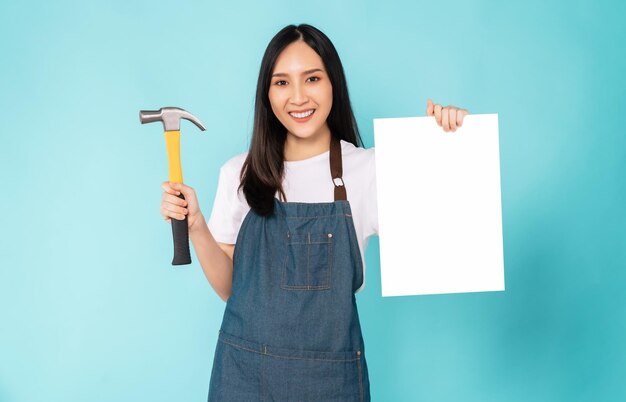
{"x": 439, "y": 206}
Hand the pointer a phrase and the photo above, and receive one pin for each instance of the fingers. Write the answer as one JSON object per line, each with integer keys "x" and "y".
{"x": 444, "y": 119}
{"x": 169, "y": 210}
{"x": 180, "y": 187}
{"x": 166, "y": 186}
{"x": 460, "y": 115}
{"x": 172, "y": 199}
{"x": 450, "y": 118}
{"x": 438, "y": 114}
{"x": 172, "y": 206}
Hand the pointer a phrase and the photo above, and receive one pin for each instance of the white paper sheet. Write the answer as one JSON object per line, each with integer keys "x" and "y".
{"x": 439, "y": 206}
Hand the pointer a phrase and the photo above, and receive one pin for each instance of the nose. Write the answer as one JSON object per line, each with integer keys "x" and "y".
{"x": 298, "y": 94}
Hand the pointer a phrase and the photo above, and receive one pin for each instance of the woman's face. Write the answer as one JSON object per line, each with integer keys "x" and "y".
{"x": 300, "y": 85}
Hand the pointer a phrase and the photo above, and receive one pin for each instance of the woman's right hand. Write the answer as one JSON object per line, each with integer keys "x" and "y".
{"x": 174, "y": 207}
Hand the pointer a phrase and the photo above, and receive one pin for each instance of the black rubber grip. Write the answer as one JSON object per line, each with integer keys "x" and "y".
{"x": 180, "y": 230}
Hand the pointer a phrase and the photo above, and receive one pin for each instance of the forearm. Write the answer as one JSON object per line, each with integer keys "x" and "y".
{"x": 216, "y": 264}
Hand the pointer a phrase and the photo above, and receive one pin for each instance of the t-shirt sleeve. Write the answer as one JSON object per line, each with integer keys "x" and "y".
{"x": 372, "y": 199}
{"x": 228, "y": 209}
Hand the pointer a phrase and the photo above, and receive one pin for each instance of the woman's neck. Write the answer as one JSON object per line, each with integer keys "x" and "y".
{"x": 297, "y": 149}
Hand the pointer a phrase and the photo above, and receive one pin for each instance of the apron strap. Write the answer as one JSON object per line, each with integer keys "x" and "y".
{"x": 336, "y": 169}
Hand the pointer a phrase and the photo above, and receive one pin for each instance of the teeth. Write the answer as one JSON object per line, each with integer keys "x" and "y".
{"x": 302, "y": 115}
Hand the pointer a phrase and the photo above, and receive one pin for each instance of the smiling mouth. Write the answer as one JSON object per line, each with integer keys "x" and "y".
{"x": 302, "y": 117}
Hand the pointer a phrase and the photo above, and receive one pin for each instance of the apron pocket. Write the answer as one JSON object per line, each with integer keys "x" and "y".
{"x": 307, "y": 265}
{"x": 290, "y": 375}
{"x": 286, "y": 374}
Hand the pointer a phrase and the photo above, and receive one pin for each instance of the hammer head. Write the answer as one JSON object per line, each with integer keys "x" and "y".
{"x": 170, "y": 116}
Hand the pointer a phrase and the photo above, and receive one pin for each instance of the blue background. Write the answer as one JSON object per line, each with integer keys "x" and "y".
{"x": 92, "y": 310}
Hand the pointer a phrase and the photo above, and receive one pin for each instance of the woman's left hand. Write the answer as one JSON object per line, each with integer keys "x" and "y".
{"x": 449, "y": 117}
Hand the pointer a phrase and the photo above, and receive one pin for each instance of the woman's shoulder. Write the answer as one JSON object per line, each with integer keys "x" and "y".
{"x": 359, "y": 155}
{"x": 350, "y": 147}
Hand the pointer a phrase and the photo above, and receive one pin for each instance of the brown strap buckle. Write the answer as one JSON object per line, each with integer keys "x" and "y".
{"x": 336, "y": 169}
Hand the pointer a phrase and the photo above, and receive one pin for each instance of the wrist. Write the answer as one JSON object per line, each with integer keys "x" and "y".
{"x": 199, "y": 223}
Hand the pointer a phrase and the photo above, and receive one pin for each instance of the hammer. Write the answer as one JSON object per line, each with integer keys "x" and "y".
{"x": 170, "y": 116}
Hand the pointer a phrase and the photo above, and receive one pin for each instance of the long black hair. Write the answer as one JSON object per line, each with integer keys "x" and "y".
{"x": 262, "y": 172}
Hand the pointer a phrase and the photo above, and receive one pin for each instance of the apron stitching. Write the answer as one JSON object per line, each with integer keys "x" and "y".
{"x": 287, "y": 357}
{"x": 284, "y": 268}
{"x": 314, "y": 216}
{"x": 356, "y": 252}
{"x": 308, "y": 259}
{"x": 358, "y": 363}
{"x": 330, "y": 263}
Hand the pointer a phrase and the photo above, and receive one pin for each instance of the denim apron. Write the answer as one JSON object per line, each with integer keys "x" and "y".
{"x": 291, "y": 329}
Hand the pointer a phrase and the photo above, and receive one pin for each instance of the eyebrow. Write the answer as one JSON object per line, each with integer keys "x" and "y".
{"x": 304, "y": 73}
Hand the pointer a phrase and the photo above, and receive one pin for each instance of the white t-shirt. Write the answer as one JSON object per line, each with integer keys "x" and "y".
{"x": 308, "y": 180}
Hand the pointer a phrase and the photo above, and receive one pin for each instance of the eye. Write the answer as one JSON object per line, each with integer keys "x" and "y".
{"x": 277, "y": 82}
{"x": 316, "y": 78}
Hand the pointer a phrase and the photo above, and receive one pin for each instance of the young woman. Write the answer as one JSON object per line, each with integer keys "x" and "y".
{"x": 285, "y": 241}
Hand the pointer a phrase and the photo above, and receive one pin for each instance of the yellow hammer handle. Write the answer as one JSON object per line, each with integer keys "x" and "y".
{"x": 180, "y": 230}
{"x": 172, "y": 143}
